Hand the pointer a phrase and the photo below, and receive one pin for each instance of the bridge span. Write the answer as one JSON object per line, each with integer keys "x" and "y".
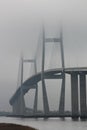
{"x": 77, "y": 76}
{"x": 57, "y": 74}
{"x": 48, "y": 74}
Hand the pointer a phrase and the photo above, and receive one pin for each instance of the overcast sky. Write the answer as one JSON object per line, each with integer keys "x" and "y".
{"x": 20, "y": 22}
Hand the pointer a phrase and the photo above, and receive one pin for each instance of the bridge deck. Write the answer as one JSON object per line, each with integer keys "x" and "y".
{"x": 48, "y": 74}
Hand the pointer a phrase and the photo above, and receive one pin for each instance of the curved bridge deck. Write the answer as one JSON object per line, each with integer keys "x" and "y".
{"x": 48, "y": 74}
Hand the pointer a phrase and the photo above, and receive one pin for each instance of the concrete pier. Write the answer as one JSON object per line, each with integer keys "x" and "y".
{"x": 19, "y": 106}
{"x": 83, "y": 95}
{"x": 74, "y": 94}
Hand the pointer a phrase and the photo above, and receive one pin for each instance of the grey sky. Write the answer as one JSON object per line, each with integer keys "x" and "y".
{"x": 20, "y": 22}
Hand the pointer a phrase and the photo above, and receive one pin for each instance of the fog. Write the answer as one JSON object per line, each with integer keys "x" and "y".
{"x": 20, "y": 23}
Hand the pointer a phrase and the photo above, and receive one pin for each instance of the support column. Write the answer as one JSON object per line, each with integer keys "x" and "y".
{"x": 45, "y": 99}
{"x": 62, "y": 97}
{"x": 83, "y": 95}
{"x": 19, "y": 106}
{"x": 74, "y": 95}
{"x": 22, "y": 105}
{"x": 36, "y": 100}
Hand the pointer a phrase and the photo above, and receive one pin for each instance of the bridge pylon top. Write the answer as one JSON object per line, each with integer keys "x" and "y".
{"x": 52, "y": 40}
{"x": 58, "y": 40}
{"x": 29, "y": 60}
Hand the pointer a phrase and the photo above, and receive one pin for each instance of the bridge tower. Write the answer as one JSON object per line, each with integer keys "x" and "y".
{"x": 19, "y": 107}
{"x": 62, "y": 95}
{"x": 19, "y": 104}
{"x": 35, "y": 86}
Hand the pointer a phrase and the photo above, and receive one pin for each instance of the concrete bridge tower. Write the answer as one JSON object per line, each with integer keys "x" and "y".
{"x": 62, "y": 95}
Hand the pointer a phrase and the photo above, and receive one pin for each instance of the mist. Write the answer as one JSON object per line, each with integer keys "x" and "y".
{"x": 20, "y": 25}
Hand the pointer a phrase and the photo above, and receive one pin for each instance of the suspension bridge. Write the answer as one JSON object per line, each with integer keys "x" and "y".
{"x": 41, "y": 73}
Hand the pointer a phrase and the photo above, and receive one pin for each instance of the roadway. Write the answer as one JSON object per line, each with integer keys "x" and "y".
{"x": 48, "y": 74}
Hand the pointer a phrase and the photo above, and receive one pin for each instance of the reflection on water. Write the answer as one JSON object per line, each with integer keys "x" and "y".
{"x": 48, "y": 124}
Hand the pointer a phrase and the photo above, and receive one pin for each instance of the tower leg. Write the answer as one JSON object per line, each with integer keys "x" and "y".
{"x": 62, "y": 96}
{"x": 45, "y": 99}
{"x": 36, "y": 100}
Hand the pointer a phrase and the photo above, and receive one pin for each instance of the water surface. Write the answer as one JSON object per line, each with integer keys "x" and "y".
{"x": 48, "y": 124}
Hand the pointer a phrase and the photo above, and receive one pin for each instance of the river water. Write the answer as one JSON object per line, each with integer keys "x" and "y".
{"x": 48, "y": 124}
